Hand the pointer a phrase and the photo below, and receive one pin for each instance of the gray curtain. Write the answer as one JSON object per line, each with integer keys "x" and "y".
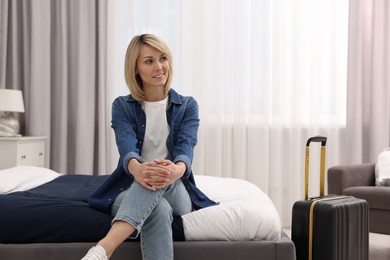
{"x": 55, "y": 52}
{"x": 368, "y": 119}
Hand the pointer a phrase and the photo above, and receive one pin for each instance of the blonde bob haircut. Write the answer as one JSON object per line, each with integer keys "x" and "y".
{"x": 133, "y": 80}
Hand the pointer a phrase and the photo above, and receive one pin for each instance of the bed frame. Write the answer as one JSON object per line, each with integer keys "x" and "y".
{"x": 189, "y": 250}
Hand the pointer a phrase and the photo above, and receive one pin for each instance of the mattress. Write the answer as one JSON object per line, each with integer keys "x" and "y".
{"x": 42, "y": 206}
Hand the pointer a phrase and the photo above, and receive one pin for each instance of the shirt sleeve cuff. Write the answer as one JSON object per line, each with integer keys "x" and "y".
{"x": 186, "y": 160}
{"x": 127, "y": 158}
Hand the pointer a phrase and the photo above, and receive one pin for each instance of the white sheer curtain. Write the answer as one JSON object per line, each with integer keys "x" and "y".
{"x": 267, "y": 75}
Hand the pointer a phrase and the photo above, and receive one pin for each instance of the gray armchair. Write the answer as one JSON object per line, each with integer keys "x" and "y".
{"x": 359, "y": 181}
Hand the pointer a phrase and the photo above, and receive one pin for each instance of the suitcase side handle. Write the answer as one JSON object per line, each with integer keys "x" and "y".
{"x": 322, "y": 140}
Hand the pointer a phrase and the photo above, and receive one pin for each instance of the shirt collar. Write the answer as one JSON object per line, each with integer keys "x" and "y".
{"x": 174, "y": 97}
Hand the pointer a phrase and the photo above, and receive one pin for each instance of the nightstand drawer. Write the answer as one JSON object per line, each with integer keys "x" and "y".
{"x": 26, "y": 150}
{"x": 30, "y": 153}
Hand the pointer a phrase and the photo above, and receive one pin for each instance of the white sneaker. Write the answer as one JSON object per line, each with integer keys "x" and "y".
{"x": 96, "y": 253}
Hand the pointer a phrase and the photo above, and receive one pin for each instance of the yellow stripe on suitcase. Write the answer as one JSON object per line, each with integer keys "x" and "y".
{"x": 311, "y": 220}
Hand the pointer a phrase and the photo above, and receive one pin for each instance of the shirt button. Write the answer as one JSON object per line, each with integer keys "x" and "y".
{"x": 109, "y": 199}
{"x": 142, "y": 126}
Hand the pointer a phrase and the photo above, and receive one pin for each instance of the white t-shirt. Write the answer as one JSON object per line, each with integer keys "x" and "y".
{"x": 156, "y": 132}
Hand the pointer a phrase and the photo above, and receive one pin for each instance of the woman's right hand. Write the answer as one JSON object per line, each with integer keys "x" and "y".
{"x": 144, "y": 173}
{"x": 136, "y": 169}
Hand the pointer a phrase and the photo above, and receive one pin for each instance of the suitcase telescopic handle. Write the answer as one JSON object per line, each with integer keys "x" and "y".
{"x": 322, "y": 140}
{"x": 317, "y": 139}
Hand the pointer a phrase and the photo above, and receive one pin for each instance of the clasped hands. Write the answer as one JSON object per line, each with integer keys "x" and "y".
{"x": 156, "y": 174}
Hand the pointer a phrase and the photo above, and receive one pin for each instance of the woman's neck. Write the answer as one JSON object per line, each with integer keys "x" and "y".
{"x": 155, "y": 95}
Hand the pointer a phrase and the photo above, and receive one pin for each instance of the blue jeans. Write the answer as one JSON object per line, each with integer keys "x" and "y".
{"x": 151, "y": 213}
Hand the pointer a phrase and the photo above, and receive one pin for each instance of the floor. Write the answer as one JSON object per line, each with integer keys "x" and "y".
{"x": 379, "y": 246}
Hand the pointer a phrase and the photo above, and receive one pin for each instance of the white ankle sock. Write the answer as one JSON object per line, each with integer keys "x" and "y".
{"x": 96, "y": 253}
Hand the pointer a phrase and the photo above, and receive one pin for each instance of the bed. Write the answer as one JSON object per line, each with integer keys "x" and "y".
{"x": 45, "y": 215}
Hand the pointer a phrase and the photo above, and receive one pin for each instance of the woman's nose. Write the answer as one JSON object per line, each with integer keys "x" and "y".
{"x": 159, "y": 65}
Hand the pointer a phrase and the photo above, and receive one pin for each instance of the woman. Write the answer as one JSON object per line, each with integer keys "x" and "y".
{"x": 156, "y": 132}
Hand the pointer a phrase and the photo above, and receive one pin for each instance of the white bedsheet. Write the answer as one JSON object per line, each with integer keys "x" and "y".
{"x": 245, "y": 211}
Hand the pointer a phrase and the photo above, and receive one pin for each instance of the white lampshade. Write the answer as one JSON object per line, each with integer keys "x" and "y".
{"x": 11, "y": 100}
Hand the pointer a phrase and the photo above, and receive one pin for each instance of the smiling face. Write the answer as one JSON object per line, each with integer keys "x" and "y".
{"x": 153, "y": 69}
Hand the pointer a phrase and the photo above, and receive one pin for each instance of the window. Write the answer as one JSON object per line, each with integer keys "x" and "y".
{"x": 264, "y": 62}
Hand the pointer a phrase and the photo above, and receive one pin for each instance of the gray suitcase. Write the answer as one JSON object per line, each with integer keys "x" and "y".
{"x": 332, "y": 227}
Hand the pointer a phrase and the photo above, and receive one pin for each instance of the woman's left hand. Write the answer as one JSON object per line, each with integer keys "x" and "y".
{"x": 166, "y": 168}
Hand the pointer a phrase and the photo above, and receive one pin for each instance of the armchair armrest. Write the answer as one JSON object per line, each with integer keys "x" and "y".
{"x": 343, "y": 176}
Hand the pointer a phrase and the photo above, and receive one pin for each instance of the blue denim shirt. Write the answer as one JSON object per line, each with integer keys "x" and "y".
{"x": 128, "y": 122}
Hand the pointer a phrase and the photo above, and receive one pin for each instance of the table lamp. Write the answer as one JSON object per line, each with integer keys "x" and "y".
{"x": 11, "y": 100}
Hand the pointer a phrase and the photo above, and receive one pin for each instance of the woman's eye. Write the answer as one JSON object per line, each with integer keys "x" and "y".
{"x": 163, "y": 58}
{"x": 149, "y": 61}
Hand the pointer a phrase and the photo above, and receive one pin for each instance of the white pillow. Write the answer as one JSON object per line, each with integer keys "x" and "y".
{"x": 245, "y": 212}
{"x": 382, "y": 168}
{"x": 22, "y": 178}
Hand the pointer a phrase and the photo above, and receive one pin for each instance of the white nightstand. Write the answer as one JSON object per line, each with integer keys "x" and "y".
{"x": 25, "y": 150}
